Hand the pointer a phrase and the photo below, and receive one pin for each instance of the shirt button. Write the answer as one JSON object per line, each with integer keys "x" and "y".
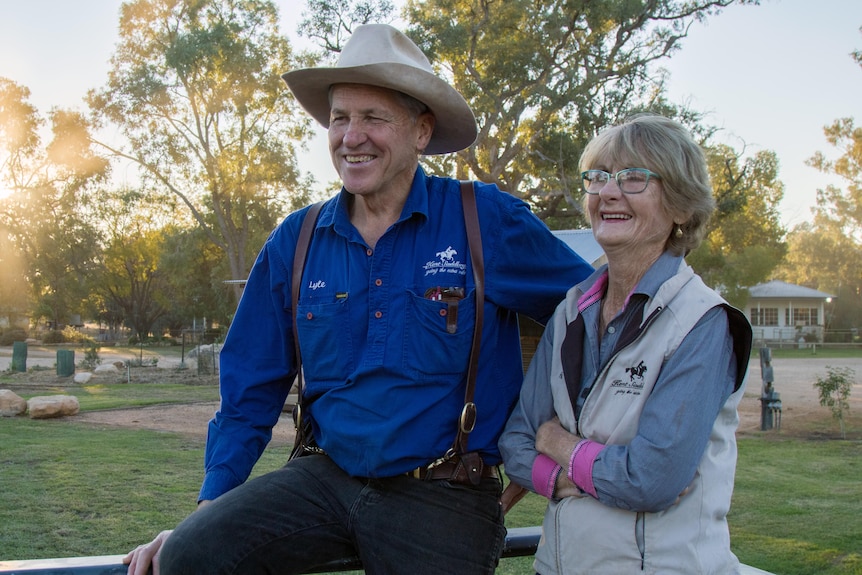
{"x": 309, "y": 315}
{"x": 442, "y": 312}
{"x": 378, "y": 314}
{"x": 612, "y": 329}
{"x": 378, "y": 282}
{"x": 368, "y": 252}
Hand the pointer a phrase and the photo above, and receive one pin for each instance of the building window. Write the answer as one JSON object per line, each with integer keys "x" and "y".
{"x": 802, "y": 316}
{"x": 764, "y": 316}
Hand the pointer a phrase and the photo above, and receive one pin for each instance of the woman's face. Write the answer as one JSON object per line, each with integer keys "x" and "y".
{"x": 629, "y": 225}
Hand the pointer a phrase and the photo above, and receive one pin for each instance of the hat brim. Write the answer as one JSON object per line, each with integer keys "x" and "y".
{"x": 454, "y": 128}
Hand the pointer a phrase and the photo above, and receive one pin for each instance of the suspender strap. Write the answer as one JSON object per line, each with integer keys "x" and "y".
{"x": 467, "y": 420}
{"x": 299, "y": 258}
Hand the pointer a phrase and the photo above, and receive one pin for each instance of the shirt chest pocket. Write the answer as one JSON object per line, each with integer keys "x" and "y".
{"x": 438, "y": 335}
{"x": 326, "y": 347}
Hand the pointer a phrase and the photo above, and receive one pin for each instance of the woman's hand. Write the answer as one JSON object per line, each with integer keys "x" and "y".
{"x": 553, "y": 440}
{"x": 556, "y": 442}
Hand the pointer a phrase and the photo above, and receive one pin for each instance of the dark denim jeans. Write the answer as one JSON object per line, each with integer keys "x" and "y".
{"x": 310, "y": 512}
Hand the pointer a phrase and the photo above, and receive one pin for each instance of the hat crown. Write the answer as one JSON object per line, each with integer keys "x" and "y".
{"x": 379, "y": 55}
{"x": 381, "y": 44}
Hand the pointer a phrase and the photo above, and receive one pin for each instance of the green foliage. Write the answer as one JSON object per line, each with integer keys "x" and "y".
{"x": 329, "y": 23}
{"x": 72, "y": 335}
{"x": 195, "y": 90}
{"x": 824, "y": 254}
{"x": 91, "y": 357}
{"x": 46, "y": 232}
{"x": 834, "y": 391}
{"x": 570, "y": 69}
{"x": 8, "y": 336}
{"x": 745, "y": 236}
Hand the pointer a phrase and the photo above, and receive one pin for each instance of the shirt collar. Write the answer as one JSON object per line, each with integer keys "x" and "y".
{"x": 665, "y": 267}
{"x": 593, "y": 288}
{"x": 417, "y": 203}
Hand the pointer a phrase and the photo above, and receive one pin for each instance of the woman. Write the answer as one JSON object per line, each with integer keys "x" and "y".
{"x": 627, "y": 416}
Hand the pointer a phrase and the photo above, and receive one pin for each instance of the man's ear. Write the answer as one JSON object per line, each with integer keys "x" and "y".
{"x": 425, "y": 124}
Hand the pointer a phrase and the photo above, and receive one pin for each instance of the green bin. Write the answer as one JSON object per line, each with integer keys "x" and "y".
{"x": 65, "y": 362}
{"x": 19, "y": 356}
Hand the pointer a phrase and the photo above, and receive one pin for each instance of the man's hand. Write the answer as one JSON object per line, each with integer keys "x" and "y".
{"x": 511, "y": 495}
{"x": 142, "y": 556}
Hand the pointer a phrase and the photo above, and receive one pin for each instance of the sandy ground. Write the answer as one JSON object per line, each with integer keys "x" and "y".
{"x": 793, "y": 379}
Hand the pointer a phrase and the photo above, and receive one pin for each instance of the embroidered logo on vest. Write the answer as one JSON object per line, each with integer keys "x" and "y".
{"x": 636, "y": 380}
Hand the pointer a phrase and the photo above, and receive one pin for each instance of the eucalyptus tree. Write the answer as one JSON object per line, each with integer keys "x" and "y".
{"x": 129, "y": 285}
{"x": 745, "y": 240}
{"x": 329, "y": 23}
{"x": 195, "y": 91}
{"x": 825, "y": 253}
{"x": 47, "y": 189}
{"x": 544, "y": 76}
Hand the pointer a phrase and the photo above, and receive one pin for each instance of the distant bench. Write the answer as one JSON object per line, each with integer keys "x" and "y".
{"x": 520, "y": 542}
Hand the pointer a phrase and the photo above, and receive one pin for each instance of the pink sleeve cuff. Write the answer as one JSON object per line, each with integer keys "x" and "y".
{"x": 581, "y": 466}
{"x": 544, "y": 475}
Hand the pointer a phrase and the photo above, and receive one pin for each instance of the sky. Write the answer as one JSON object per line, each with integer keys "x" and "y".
{"x": 770, "y": 76}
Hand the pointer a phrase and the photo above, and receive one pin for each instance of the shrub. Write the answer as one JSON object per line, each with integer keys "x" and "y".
{"x": 91, "y": 357}
{"x": 834, "y": 392}
{"x": 68, "y": 335}
{"x": 54, "y": 336}
{"x": 10, "y": 335}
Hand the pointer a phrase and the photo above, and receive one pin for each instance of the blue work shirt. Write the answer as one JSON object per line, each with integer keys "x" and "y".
{"x": 384, "y": 360}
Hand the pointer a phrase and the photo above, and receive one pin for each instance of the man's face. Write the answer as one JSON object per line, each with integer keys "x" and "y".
{"x": 374, "y": 140}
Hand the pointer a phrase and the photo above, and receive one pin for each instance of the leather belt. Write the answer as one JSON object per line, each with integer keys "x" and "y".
{"x": 453, "y": 470}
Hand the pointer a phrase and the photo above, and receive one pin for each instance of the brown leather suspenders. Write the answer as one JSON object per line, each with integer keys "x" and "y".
{"x": 299, "y": 258}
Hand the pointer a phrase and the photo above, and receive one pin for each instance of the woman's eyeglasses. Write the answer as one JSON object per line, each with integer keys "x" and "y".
{"x": 629, "y": 181}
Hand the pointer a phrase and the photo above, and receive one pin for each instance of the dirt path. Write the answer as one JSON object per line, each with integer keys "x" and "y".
{"x": 794, "y": 381}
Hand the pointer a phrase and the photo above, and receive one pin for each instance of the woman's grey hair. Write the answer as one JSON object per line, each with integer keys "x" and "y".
{"x": 665, "y": 147}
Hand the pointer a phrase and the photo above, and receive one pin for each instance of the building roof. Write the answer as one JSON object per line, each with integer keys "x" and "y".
{"x": 583, "y": 243}
{"x": 779, "y": 289}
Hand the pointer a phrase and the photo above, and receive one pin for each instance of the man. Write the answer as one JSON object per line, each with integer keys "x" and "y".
{"x": 385, "y": 321}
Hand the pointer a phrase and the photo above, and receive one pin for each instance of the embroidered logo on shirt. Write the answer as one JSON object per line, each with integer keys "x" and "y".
{"x": 446, "y": 263}
{"x": 313, "y": 285}
{"x": 447, "y": 255}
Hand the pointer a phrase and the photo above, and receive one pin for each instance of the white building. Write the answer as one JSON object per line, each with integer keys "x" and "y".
{"x": 783, "y": 312}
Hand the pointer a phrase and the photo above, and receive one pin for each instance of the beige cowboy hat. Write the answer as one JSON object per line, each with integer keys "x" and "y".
{"x": 380, "y": 55}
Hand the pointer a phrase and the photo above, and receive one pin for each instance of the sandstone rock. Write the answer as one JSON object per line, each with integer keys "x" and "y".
{"x": 83, "y": 377}
{"x": 48, "y": 406}
{"x": 106, "y": 368}
{"x": 11, "y": 404}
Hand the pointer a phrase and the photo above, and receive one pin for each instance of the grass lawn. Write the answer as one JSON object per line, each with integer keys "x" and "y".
{"x": 75, "y": 489}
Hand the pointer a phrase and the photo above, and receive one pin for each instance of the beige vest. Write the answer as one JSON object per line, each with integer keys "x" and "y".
{"x": 581, "y": 535}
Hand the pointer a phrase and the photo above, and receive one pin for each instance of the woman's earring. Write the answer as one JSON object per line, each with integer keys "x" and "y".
{"x": 678, "y": 233}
